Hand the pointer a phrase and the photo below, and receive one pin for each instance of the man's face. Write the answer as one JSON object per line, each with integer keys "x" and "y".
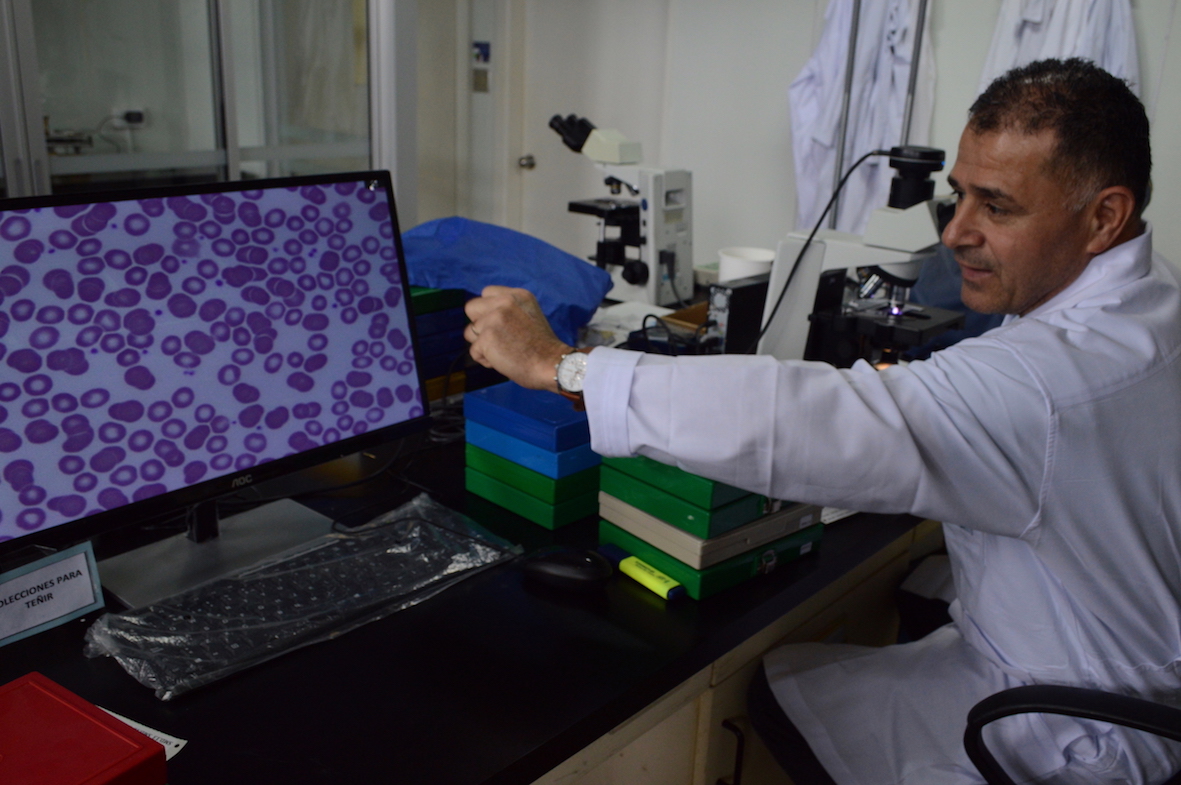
{"x": 1015, "y": 235}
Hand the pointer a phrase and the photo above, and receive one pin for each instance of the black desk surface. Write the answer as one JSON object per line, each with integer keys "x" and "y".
{"x": 492, "y": 681}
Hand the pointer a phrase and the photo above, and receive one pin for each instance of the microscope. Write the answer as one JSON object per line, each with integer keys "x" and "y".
{"x": 847, "y": 297}
{"x": 645, "y": 240}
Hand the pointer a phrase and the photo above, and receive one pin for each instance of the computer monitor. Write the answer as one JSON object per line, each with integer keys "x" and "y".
{"x": 163, "y": 348}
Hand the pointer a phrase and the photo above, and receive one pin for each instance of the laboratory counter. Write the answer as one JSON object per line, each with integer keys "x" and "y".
{"x": 495, "y": 680}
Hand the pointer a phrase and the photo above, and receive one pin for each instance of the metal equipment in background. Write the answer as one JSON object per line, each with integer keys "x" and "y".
{"x": 646, "y": 239}
{"x": 847, "y": 298}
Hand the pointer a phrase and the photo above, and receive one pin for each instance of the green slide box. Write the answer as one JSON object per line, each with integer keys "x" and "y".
{"x": 551, "y": 516}
{"x": 700, "y": 584}
{"x": 693, "y": 488}
{"x": 674, "y": 510}
{"x": 535, "y": 484}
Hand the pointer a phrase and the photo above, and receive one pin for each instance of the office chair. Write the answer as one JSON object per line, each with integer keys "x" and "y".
{"x": 1137, "y": 713}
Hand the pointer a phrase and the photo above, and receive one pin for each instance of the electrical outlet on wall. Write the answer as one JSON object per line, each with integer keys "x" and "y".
{"x": 129, "y": 119}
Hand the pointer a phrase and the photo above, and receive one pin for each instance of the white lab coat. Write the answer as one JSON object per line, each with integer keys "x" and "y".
{"x": 1048, "y": 446}
{"x": 877, "y": 104}
{"x": 1101, "y": 31}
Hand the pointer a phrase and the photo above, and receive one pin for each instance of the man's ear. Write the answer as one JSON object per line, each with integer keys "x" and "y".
{"x": 1112, "y": 218}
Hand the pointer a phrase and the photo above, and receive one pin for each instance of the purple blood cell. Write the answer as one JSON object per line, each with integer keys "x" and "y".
{"x": 397, "y": 338}
{"x": 376, "y": 349}
{"x": 19, "y": 474}
{"x": 32, "y": 495}
{"x": 275, "y": 310}
{"x": 309, "y": 213}
{"x": 44, "y": 337}
{"x": 351, "y": 254}
{"x": 256, "y": 295}
{"x": 324, "y": 281}
{"x": 199, "y": 342}
{"x": 64, "y": 403}
{"x": 223, "y": 247}
{"x": 193, "y": 285}
{"x": 159, "y": 411}
{"x": 124, "y": 476}
{"x": 183, "y": 397}
{"x": 194, "y": 471}
{"x": 68, "y": 506}
{"x": 315, "y": 322}
{"x": 159, "y": 286}
{"x": 15, "y": 228}
{"x": 151, "y": 470}
{"x": 90, "y": 246}
{"x": 359, "y": 348}
{"x": 229, "y": 374}
{"x": 107, "y": 458}
{"x": 245, "y": 393}
{"x": 71, "y": 464}
{"x": 404, "y": 393}
{"x": 344, "y": 276}
{"x": 208, "y": 269}
{"x": 28, "y": 251}
{"x": 368, "y": 305}
{"x": 22, "y": 310}
{"x": 30, "y": 519}
{"x": 62, "y": 240}
{"x": 41, "y": 431}
{"x": 222, "y": 205}
{"x": 211, "y": 309}
{"x": 293, "y": 317}
{"x": 187, "y": 360}
{"x": 122, "y": 298}
{"x": 148, "y": 491}
{"x": 204, "y": 413}
{"x": 216, "y": 443}
{"x": 306, "y": 282}
{"x": 360, "y": 427}
{"x": 51, "y": 314}
{"x": 344, "y": 189}
{"x": 126, "y": 411}
{"x": 331, "y": 435}
{"x": 361, "y": 399}
{"x": 343, "y": 297}
{"x": 292, "y": 247}
{"x": 358, "y": 378}
{"x": 295, "y": 359}
{"x": 108, "y": 320}
{"x": 221, "y": 462}
{"x": 88, "y": 336}
{"x": 242, "y": 336}
{"x": 139, "y": 377}
{"x": 335, "y": 241}
{"x": 91, "y": 289}
{"x": 185, "y": 230}
{"x": 277, "y": 418}
{"x": 72, "y": 361}
{"x": 112, "y": 342}
{"x": 257, "y": 322}
{"x": 168, "y": 452}
{"x": 242, "y": 356}
{"x": 339, "y": 390}
{"x": 79, "y": 313}
{"x": 299, "y": 441}
{"x": 329, "y": 261}
{"x": 308, "y": 237}
{"x": 274, "y": 218}
{"x": 60, "y": 282}
{"x": 174, "y": 428}
{"x": 38, "y": 384}
{"x": 249, "y": 417}
{"x": 9, "y": 441}
{"x": 344, "y": 422}
{"x": 340, "y": 407}
{"x": 359, "y": 288}
{"x": 255, "y": 442}
{"x": 136, "y": 224}
{"x": 278, "y": 266}
{"x": 385, "y": 398}
{"x": 110, "y": 498}
{"x": 148, "y": 254}
{"x": 314, "y": 194}
{"x": 210, "y": 230}
{"x": 237, "y": 276}
{"x": 244, "y": 461}
{"x": 25, "y": 361}
{"x": 235, "y": 316}
{"x": 195, "y": 438}
{"x": 263, "y": 344}
{"x": 140, "y": 440}
{"x": 262, "y": 236}
{"x": 170, "y": 345}
{"x": 181, "y": 306}
{"x": 111, "y": 432}
{"x": 220, "y": 331}
{"x": 35, "y": 407}
{"x": 117, "y": 259}
{"x": 314, "y": 427}
{"x": 249, "y": 214}
{"x": 220, "y": 424}
{"x": 127, "y": 358}
{"x": 393, "y": 296}
{"x": 281, "y": 287}
{"x": 139, "y": 322}
{"x": 171, "y": 264}
{"x": 10, "y": 285}
{"x": 75, "y": 423}
{"x": 374, "y": 415}
{"x": 152, "y": 207}
{"x": 241, "y": 237}
{"x": 77, "y": 442}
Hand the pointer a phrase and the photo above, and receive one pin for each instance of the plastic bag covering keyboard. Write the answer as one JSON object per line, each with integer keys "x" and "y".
{"x": 319, "y": 591}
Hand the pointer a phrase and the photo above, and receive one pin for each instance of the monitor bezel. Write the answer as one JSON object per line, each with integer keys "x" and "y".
{"x": 154, "y": 509}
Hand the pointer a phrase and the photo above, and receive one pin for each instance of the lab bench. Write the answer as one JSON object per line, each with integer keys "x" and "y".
{"x": 498, "y": 681}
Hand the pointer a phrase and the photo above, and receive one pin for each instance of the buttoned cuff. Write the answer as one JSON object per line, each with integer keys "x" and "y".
{"x": 607, "y": 392}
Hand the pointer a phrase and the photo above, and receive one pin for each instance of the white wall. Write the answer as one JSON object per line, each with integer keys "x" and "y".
{"x": 703, "y": 85}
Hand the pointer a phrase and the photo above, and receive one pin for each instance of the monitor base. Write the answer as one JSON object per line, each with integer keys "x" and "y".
{"x": 170, "y": 566}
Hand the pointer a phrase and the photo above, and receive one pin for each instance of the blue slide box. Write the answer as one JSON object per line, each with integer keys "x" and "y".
{"x": 542, "y": 418}
{"x": 555, "y": 465}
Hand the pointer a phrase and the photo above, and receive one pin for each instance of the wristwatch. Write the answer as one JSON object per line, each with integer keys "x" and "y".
{"x": 570, "y": 372}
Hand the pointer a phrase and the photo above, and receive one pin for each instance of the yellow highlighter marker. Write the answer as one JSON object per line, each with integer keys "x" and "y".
{"x": 642, "y": 572}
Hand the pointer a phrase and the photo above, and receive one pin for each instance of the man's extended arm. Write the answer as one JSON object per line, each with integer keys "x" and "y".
{"x": 509, "y": 332}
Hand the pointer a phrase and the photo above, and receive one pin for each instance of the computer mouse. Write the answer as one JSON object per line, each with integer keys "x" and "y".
{"x": 568, "y": 568}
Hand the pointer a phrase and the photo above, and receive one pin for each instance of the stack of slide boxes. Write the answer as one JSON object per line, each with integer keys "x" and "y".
{"x": 529, "y": 451}
{"x": 439, "y": 320}
{"x": 706, "y": 535}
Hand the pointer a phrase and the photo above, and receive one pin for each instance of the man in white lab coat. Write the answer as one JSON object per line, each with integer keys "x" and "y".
{"x": 1048, "y": 446}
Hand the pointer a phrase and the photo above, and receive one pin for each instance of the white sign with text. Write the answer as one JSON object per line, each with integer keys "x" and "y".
{"x": 48, "y": 592}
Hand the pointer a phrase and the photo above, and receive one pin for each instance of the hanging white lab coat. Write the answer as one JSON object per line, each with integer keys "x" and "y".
{"x": 1101, "y": 31}
{"x": 885, "y": 44}
{"x": 1048, "y": 446}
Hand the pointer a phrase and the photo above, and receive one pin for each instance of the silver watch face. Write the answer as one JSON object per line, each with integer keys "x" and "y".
{"x": 572, "y": 372}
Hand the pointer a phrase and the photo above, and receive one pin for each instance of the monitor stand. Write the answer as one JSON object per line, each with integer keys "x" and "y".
{"x": 170, "y": 566}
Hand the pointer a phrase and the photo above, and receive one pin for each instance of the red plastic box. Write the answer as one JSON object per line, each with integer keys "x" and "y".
{"x": 50, "y": 736}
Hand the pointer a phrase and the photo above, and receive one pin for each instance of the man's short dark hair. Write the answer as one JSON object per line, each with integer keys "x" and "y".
{"x": 1100, "y": 124}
